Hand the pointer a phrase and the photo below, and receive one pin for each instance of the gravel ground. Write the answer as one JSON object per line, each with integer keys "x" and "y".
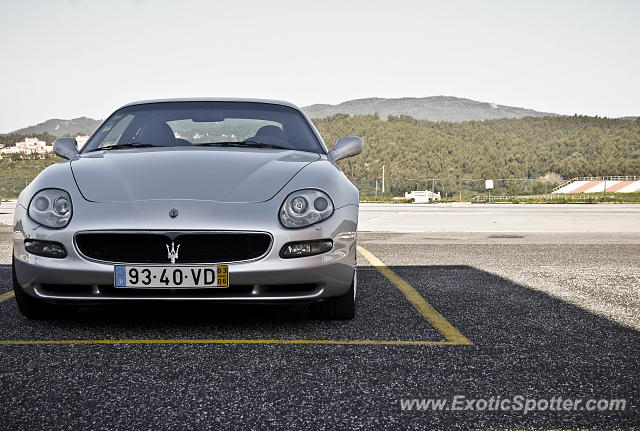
{"x": 6, "y": 245}
{"x": 548, "y": 316}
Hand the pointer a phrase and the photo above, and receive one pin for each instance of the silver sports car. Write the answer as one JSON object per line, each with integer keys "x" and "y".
{"x": 191, "y": 200}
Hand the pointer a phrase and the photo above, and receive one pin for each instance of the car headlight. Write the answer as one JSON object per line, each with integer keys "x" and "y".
{"x": 305, "y": 207}
{"x": 51, "y": 208}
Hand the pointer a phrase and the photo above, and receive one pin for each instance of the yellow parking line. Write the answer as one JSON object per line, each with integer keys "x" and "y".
{"x": 450, "y": 333}
{"x": 7, "y": 295}
{"x": 215, "y": 341}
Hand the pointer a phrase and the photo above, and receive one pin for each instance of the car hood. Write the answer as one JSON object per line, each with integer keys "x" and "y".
{"x": 214, "y": 174}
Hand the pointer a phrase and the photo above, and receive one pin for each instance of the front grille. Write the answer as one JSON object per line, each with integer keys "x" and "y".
{"x": 151, "y": 247}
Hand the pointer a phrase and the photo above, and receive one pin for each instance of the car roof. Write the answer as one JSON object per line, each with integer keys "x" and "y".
{"x": 213, "y": 99}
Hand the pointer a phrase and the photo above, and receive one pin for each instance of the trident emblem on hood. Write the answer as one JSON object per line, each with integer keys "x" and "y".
{"x": 172, "y": 253}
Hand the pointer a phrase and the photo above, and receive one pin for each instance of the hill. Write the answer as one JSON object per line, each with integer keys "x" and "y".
{"x": 57, "y": 127}
{"x": 435, "y": 108}
{"x": 509, "y": 148}
{"x": 408, "y": 148}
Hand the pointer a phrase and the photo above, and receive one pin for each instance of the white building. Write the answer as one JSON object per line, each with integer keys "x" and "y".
{"x": 28, "y": 146}
{"x": 81, "y": 140}
{"x": 422, "y": 196}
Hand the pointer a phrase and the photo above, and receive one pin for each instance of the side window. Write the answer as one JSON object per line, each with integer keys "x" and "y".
{"x": 115, "y": 131}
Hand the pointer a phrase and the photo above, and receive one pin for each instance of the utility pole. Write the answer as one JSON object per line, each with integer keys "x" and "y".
{"x": 376, "y": 187}
{"x": 604, "y": 190}
{"x": 382, "y": 179}
{"x": 545, "y": 188}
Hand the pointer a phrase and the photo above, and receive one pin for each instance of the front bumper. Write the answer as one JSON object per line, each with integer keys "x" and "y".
{"x": 271, "y": 278}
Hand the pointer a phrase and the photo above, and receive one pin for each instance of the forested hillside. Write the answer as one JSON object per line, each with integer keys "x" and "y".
{"x": 494, "y": 149}
{"x": 509, "y": 148}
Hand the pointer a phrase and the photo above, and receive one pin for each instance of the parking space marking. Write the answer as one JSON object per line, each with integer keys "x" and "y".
{"x": 216, "y": 341}
{"x": 7, "y": 295}
{"x": 436, "y": 319}
{"x": 452, "y": 336}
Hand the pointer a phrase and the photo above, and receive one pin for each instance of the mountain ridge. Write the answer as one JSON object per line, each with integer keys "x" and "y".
{"x": 433, "y": 108}
{"x": 60, "y": 127}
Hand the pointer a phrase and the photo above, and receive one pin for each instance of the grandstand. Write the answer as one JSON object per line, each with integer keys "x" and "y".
{"x": 598, "y": 184}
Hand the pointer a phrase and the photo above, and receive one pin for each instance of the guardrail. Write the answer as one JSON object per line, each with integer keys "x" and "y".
{"x": 577, "y": 197}
{"x": 613, "y": 178}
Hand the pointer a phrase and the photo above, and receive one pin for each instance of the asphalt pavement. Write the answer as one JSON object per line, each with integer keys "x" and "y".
{"x": 545, "y": 315}
{"x": 500, "y": 217}
{"x": 472, "y": 217}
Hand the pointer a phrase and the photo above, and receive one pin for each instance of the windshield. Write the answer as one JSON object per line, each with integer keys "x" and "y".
{"x": 172, "y": 124}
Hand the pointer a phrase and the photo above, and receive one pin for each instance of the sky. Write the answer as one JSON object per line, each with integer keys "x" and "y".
{"x": 71, "y": 58}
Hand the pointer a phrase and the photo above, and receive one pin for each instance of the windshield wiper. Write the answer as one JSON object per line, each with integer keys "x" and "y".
{"x": 247, "y": 144}
{"x": 127, "y": 145}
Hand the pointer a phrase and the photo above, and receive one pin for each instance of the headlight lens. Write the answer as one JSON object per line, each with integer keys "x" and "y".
{"x": 305, "y": 207}
{"x": 51, "y": 208}
{"x": 61, "y": 206}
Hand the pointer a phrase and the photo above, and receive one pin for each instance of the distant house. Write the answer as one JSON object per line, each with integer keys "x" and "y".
{"x": 81, "y": 140}
{"x": 422, "y": 196}
{"x": 28, "y": 146}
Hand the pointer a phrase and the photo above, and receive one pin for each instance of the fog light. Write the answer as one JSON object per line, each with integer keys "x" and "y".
{"x": 45, "y": 248}
{"x": 305, "y": 248}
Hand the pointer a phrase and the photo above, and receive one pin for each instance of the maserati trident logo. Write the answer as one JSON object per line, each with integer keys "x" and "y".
{"x": 173, "y": 212}
{"x": 172, "y": 253}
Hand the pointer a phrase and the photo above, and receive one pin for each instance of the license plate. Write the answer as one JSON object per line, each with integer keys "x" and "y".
{"x": 171, "y": 276}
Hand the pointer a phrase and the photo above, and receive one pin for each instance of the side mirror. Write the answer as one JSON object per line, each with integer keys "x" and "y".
{"x": 347, "y": 146}
{"x": 67, "y": 148}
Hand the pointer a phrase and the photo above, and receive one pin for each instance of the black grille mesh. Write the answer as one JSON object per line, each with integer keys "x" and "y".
{"x": 151, "y": 247}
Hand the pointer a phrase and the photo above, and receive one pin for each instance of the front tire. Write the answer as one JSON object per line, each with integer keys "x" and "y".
{"x": 30, "y": 307}
{"x": 336, "y": 308}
